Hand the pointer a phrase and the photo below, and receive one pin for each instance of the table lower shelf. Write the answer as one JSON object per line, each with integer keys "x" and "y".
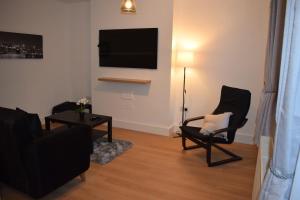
{"x": 98, "y": 134}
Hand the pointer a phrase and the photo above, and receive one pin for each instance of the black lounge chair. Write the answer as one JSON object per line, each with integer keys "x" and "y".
{"x": 232, "y": 100}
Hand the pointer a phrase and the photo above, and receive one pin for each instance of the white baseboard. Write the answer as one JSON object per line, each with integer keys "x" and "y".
{"x": 239, "y": 137}
{"x": 244, "y": 138}
{"x": 171, "y": 130}
{"x": 148, "y": 128}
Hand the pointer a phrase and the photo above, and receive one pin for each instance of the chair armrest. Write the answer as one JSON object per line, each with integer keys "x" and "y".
{"x": 221, "y": 131}
{"x": 57, "y": 157}
{"x": 228, "y": 128}
{"x": 192, "y": 119}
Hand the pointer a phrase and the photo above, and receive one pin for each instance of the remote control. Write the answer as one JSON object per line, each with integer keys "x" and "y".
{"x": 94, "y": 118}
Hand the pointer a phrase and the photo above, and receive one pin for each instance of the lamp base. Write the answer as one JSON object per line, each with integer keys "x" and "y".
{"x": 178, "y": 134}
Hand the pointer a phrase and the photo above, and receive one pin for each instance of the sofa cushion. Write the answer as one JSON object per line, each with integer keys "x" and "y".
{"x": 34, "y": 126}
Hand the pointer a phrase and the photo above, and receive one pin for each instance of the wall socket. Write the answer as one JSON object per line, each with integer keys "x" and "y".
{"x": 127, "y": 96}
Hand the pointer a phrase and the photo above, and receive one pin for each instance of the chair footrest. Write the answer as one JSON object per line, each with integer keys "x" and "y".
{"x": 221, "y": 162}
{"x": 192, "y": 147}
{"x": 208, "y": 146}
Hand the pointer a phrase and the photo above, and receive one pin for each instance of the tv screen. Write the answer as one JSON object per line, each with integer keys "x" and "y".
{"x": 133, "y": 48}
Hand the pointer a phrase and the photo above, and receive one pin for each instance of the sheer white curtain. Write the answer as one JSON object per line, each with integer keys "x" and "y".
{"x": 295, "y": 194}
{"x": 265, "y": 120}
{"x": 281, "y": 176}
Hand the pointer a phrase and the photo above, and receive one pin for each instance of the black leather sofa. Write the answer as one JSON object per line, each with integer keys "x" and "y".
{"x": 36, "y": 161}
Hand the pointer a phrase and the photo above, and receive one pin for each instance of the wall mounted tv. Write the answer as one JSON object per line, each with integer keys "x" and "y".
{"x": 130, "y": 48}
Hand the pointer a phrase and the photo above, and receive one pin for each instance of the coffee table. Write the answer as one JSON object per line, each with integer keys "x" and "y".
{"x": 72, "y": 118}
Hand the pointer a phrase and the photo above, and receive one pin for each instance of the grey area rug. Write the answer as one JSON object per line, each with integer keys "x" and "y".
{"x": 104, "y": 151}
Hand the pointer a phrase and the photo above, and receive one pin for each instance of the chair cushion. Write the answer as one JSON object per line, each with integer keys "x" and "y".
{"x": 64, "y": 107}
{"x": 69, "y": 106}
{"x": 194, "y": 132}
{"x": 215, "y": 122}
{"x": 34, "y": 126}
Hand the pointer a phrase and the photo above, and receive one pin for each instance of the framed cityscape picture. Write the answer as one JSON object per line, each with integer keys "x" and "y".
{"x": 19, "y": 45}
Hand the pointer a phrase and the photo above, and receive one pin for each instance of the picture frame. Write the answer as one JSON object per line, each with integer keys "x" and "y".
{"x": 20, "y": 46}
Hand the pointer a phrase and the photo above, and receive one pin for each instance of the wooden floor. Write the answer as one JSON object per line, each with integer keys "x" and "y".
{"x": 157, "y": 168}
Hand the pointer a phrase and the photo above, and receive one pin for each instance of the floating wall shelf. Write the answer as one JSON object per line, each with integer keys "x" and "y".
{"x": 124, "y": 80}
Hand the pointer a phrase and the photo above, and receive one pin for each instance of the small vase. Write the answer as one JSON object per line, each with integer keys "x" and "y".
{"x": 81, "y": 116}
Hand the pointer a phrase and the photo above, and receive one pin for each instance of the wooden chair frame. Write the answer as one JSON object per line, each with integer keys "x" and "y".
{"x": 209, "y": 144}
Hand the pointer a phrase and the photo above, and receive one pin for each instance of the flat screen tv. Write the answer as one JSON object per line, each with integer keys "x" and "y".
{"x": 132, "y": 48}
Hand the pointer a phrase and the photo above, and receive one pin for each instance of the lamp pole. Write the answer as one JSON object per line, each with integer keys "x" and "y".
{"x": 183, "y": 97}
{"x": 183, "y": 103}
{"x": 185, "y": 57}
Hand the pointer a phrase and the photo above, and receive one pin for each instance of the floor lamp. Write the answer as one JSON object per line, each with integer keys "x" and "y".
{"x": 185, "y": 58}
{"x": 183, "y": 98}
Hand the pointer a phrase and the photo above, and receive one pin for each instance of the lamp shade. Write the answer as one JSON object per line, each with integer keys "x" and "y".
{"x": 128, "y": 6}
{"x": 185, "y": 58}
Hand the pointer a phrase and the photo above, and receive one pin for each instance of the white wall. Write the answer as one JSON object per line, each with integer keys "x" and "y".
{"x": 231, "y": 41}
{"x": 149, "y": 110}
{"x": 231, "y": 38}
{"x": 38, "y": 84}
{"x": 79, "y": 47}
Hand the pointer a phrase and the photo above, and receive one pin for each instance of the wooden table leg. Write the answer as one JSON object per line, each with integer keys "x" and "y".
{"x": 109, "y": 130}
{"x": 1, "y": 197}
{"x": 47, "y": 123}
{"x": 82, "y": 177}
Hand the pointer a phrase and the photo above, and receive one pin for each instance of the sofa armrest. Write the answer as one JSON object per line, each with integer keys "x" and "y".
{"x": 57, "y": 157}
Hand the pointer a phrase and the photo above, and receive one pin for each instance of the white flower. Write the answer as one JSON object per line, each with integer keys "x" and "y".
{"x": 82, "y": 101}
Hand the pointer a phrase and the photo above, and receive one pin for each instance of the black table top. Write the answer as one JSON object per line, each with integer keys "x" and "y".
{"x": 72, "y": 117}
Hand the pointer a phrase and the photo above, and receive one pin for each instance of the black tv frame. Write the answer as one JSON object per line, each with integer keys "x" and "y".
{"x": 130, "y": 54}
